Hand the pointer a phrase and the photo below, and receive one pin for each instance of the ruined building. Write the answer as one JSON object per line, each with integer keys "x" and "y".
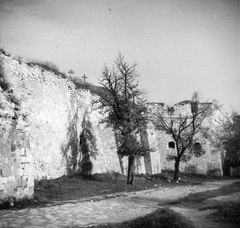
{"x": 211, "y": 160}
{"x": 49, "y": 129}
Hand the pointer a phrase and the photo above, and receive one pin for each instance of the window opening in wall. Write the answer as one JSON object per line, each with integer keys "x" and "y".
{"x": 171, "y": 144}
{"x": 198, "y": 150}
{"x": 197, "y": 146}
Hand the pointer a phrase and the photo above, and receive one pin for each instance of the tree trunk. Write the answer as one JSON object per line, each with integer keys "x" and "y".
{"x": 130, "y": 170}
{"x": 119, "y": 156}
{"x": 176, "y": 171}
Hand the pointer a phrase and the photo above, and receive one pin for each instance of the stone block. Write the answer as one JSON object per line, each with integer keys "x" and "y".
{"x": 26, "y": 143}
{"x": 23, "y": 159}
{"x": 24, "y": 183}
{"x": 13, "y": 154}
{"x": 20, "y": 172}
{"x": 11, "y": 185}
{"x": 25, "y": 169}
{"x": 3, "y": 180}
{"x": 19, "y": 181}
{"x": 11, "y": 178}
{"x": 2, "y": 187}
{"x": 30, "y": 182}
{"x": 7, "y": 170}
{"x": 1, "y": 193}
{"x": 28, "y": 191}
{"x": 19, "y": 189}
{"x": 23, "y": 152}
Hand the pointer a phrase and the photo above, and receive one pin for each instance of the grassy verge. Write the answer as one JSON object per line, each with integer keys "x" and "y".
{"x": 80, "y": 187}
{"x": 226, "y": 213}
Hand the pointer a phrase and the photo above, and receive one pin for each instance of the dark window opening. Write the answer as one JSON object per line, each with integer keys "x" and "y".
{"x": 171, "y": 144}
{"x": 197, "y": 146}
{"x": 198, "y": 150}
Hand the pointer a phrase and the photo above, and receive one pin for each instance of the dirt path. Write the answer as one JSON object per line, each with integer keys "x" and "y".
{"x": 195, "y": 212}
{"x": 191, "y": 210}
{"x": 165, "y": 195}
{"x": 200, "y": 217}
{"x": 83, "y": 213}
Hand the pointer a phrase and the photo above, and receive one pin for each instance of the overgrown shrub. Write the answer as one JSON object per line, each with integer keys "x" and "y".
{"x": 13, "y": 202}
{"x": 19, "y": 59}
{"x": 88, "y": 86}
{"x": 109, "y": 176}
{"x": 2, "y": 51}
{"x": 226, "y": 213}
{"x": 48, "y": 66}
{"x": 161, "y": 176}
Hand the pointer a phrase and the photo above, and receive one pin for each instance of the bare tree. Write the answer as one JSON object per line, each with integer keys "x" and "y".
{"x": 124, "y": 106}
{"x": 183, "y": 127}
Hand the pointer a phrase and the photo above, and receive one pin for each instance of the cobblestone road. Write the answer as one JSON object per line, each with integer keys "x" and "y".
{"x": 96, "y": 211}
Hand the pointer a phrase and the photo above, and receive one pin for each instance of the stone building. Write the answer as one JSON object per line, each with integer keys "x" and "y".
{"x": 212, "y": 159}
{"x": 48, "y": 128}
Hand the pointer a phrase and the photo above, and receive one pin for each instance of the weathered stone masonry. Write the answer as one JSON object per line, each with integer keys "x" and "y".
{"x": 49, "y": 129}
{"x": 209, "y": 163}
{"x": 16, "y": 177}
{"x": 51, "y": 117}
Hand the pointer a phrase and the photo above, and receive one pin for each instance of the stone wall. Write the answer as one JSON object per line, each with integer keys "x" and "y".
{"x": 59, "y": 114}
{"x": 50, "y": 129}
{"x": 209, "y": 163}
{"x": 16, "y": 178}
{"x": 44, "y": 140}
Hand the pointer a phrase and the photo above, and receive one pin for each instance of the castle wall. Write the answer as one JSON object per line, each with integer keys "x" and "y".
{"x": 209, "y": 163}
{"x": 16, "y": 178}
{"x": 57, "y": 115}
{"x": 50, "y": 129}
{"x": 106, "y": 158}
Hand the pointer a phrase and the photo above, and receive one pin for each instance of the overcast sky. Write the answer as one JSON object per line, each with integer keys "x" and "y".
{"x": 181, "y": 46}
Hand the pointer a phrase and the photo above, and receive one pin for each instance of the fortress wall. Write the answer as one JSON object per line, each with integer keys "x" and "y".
{"x": 57, "y": 115}
{"x": 210, "y": 163}
{"x": 48, "y": 101}
{"x": 16, "y": 178}
{"x": 49, "y": 129}
{"x": 106, "y": 158}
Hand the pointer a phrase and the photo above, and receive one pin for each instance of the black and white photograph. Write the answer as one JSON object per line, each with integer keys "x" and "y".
{"x": 120, "y": 113}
